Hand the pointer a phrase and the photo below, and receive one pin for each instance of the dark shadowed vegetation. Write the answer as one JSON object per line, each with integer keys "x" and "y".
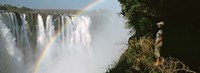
{"x": 139, "y": 58}
{"x": 180, "y": 48}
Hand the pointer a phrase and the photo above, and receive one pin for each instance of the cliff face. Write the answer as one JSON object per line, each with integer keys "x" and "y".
{"x": 181, "y": 35}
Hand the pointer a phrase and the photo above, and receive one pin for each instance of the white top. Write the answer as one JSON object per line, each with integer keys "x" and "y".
{"x": 159, "y": 35}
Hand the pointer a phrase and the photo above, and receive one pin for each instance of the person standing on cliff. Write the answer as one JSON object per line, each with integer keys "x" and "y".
{"x": 158, "y": 43}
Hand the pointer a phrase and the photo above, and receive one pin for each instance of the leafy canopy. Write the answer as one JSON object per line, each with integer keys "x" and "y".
{"x": 142, "y": 15}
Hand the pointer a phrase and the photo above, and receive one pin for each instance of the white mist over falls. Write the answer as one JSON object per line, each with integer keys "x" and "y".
{"x": 65, "y": 43}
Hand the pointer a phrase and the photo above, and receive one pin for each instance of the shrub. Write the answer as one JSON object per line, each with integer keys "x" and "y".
{"x": 139, "y": 57}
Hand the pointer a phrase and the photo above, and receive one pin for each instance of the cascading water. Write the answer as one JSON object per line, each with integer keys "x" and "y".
{"x": 41, "y": 36}
{"x": 10, "y": 55}
{"x": 68, "y": 51}
{"x": 43, "y": 43}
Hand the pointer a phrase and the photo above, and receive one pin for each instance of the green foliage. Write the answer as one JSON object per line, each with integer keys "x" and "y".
{"x": 142, "y": 15}
{"x": 25, "y": 8}
{"x": 139, "y": 51}
{"x": 14, "y": 8}
{"x": 7, "y": 7}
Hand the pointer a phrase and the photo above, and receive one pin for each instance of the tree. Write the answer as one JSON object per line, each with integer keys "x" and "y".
{"x": 14, "y": 8}
{"x": 181, "y": 29}
{"x": 25, "y": 8}
{"x": 142, "y": 15}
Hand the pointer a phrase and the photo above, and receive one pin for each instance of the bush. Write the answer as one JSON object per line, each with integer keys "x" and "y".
{"x": 142, "y": 15}
{"x": 139, "y": 57}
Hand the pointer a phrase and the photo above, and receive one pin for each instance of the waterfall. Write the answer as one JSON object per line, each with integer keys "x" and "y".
{"x": 49, "y": 26}
{"x": 25, "y": 44}
{"x": 61, "y": 43}
{"x": 11, "y": 56}
{"x": 69, "y": 50}
{"x": 41, "y": 36}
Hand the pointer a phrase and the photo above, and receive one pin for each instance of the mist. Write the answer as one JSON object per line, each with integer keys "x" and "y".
{"x": 108, "y": 38}
{"x": 89, "y": 43}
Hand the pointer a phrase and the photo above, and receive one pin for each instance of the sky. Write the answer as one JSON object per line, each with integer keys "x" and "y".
{"x": 112, "y": 5}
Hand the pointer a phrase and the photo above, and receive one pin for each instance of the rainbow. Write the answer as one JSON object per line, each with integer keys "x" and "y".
{"x": 56, "y": 35}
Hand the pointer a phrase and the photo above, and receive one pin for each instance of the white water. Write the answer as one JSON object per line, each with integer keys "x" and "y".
{"x": 10, "y": 55}
{"x": 77, "y": 49}
{"x": 69, "y": 51}
{"x": 41, "y": 36}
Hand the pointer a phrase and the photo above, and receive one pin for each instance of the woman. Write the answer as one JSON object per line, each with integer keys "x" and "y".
{"x": 158, "y": 43}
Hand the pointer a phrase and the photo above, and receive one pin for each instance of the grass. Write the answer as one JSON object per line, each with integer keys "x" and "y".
{"x": 139, "y": 58}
